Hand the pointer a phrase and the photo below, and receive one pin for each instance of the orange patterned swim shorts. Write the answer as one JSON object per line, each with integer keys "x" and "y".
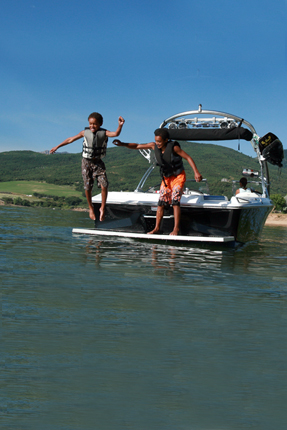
{"x": 171, "y": 190}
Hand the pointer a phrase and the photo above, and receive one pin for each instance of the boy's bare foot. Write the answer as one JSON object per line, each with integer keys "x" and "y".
{"x": 102, "y": 214}
{"x": 154, "y": 231}
{"x": 92, "y": 214}
{"x": 174, "y": 232}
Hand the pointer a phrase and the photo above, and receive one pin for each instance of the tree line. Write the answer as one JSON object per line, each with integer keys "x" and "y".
{"x": 125, "y": 168}
{"x": 46, "y": 201}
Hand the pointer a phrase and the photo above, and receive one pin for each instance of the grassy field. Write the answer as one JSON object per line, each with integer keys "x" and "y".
{"x": 26, "y": 188}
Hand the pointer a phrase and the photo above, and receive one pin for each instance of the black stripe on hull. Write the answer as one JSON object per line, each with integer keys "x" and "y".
{"x": 245, "y": 224}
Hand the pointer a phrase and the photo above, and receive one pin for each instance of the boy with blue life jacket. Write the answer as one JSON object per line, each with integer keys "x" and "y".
{"x": 169, "y": 157}
{"x": 94, "y": 149}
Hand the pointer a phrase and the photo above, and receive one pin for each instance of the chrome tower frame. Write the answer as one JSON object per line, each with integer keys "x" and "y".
{"x": 217, "y": 119}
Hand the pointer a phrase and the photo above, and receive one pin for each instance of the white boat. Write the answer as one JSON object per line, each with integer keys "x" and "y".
{"x": 204, "y": 217}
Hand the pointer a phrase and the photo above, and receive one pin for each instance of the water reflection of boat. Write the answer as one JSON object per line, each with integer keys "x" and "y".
{"x": 204, "y": 217}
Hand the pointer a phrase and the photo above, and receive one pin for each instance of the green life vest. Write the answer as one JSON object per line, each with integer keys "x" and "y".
{"x": 95, "y": 144}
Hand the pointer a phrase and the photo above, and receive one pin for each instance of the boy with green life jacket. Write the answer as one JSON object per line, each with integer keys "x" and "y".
{"x": 94, "y": 149}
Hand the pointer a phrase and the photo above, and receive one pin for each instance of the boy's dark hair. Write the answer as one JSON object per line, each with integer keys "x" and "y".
{"x": 162, "y": 132}
{"x": 243, "y": 182}
{"x": 97, "y": 116}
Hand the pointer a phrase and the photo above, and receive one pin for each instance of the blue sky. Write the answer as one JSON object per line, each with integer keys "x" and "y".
{"x": 145, "y": 60}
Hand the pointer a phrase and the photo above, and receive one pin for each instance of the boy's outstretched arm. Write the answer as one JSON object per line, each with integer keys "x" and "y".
{"x": 67, "y": 141}
{"x": 134, "y": 145}
{"x": 190, "y": 161}
{"x": 118, "y": 130}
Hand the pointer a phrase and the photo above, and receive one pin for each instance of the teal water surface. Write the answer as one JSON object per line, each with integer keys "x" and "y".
{"x": 119, "y": 334}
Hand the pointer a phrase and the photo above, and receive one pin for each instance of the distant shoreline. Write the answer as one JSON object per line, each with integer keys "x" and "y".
{"x": 276, "y": 219}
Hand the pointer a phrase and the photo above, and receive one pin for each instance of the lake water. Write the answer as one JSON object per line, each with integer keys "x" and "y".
{"x": 118, "y": 334}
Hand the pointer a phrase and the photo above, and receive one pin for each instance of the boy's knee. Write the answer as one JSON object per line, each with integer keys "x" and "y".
{"x": 163, "y": 205}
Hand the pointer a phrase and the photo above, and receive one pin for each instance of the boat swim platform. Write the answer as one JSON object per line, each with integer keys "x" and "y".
{"x": 161, "y": 237}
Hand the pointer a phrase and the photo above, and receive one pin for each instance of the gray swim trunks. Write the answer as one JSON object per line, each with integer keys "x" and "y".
{"x": 94, "y": 170}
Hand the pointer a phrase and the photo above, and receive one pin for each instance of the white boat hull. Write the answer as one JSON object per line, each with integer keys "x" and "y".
{"x": 211, "y": 218}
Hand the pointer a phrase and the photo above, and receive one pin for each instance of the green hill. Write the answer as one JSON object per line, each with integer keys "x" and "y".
{"x": 125, "y": 168}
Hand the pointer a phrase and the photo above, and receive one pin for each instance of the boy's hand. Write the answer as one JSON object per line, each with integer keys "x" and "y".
{"x": 121, "y": 121}
{"x": 198, "y": 177}
{"x": 117, "y": 142}
{"x": 53, "y": 150}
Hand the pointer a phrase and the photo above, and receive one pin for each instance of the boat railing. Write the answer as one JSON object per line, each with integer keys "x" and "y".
{"x": 148, "y": 155}
{"x": 139, "y": 188}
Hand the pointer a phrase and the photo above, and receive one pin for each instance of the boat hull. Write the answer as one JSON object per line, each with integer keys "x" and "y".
{"x": 243, "y": 222}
